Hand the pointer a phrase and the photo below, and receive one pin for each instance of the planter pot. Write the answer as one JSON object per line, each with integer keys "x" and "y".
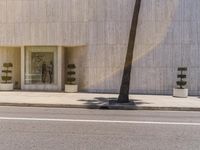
{"x": 71, "y": 88}
{"x": 181, "y": 93}
{"x": 6, "y": 86}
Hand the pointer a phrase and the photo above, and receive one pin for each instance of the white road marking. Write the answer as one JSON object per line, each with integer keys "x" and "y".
{"x": 100, "y": 121}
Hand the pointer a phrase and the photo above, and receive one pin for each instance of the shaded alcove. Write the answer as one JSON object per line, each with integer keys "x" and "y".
{"x": 75, "y": 55}
{"x": 13, "y": 55}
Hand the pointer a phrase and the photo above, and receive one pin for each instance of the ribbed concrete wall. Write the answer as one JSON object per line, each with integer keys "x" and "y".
{"x": 173, "y": 38}
{"x": 167, "y": 37}
{"x": 43, "y": 22}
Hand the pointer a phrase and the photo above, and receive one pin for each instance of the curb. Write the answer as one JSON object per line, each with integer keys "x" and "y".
{"x": 49, "y": 105}
{"x": 111, "y": 107}
{"x": 169, "y": 108}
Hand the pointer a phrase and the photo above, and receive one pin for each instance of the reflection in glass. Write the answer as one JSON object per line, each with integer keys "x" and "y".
{"x": 39, "y": 66}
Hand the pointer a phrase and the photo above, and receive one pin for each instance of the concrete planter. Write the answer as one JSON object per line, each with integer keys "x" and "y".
{"x": 181, "y": 93}
{"x": 71, "y": 88}
{"x": 6, "y": 86}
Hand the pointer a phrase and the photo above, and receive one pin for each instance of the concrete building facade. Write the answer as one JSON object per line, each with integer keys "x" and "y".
{"x": 93, "y": 34}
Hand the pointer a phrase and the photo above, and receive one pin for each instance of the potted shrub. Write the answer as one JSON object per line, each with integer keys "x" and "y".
{"x": 71, "y": 86}
{"x": 7, "y": 85}
{"x": 181, "y": 91}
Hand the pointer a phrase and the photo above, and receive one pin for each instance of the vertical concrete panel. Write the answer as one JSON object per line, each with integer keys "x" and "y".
{"x": 3, "y": 12}
{"x": 22, "y": 66}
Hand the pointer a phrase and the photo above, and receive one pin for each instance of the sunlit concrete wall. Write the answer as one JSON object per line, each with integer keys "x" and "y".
{"x": 43, "y": 22}
{"x": 167, "y": 37}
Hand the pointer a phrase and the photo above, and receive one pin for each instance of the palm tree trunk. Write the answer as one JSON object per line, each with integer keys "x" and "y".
{"x": 125, "y": 85}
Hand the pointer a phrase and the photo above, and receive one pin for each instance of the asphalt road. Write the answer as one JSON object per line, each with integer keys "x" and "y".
{"x": 73, "y": 129}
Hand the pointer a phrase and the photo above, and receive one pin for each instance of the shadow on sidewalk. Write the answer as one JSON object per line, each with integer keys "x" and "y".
{"x": 102, "y": 100}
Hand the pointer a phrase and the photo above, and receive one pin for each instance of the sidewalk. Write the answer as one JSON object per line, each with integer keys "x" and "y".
{"x": 90, "y": 100}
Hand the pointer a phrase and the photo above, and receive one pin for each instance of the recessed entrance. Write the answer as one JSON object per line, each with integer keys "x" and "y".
{"x": 42, "y": 71}
{"x": 12, "y": 55}
{"x": 40, "y": 65}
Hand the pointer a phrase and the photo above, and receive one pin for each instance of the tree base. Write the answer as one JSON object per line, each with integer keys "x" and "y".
{"x": 123, "y": 99}
{"x": 115, "y": 102}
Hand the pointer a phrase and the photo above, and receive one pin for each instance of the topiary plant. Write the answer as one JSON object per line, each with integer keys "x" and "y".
{"x": 6, "y": 78}
{"x": 181, "y": 83}
{"x": 71, "y": 73}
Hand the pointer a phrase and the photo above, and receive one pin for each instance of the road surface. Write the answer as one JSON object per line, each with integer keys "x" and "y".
{"x": 26, "y": 128}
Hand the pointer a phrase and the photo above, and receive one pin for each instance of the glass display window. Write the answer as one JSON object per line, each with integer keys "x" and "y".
{"x": 40, "y": 65}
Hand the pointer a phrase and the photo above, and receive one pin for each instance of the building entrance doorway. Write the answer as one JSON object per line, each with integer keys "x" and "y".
{"x": 41, "y": 67}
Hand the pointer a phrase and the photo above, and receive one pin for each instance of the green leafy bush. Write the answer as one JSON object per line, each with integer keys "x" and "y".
{"x": 181, "y": 83}
{"x": 71, "y": 73}
{"x": 6, "y": 78}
